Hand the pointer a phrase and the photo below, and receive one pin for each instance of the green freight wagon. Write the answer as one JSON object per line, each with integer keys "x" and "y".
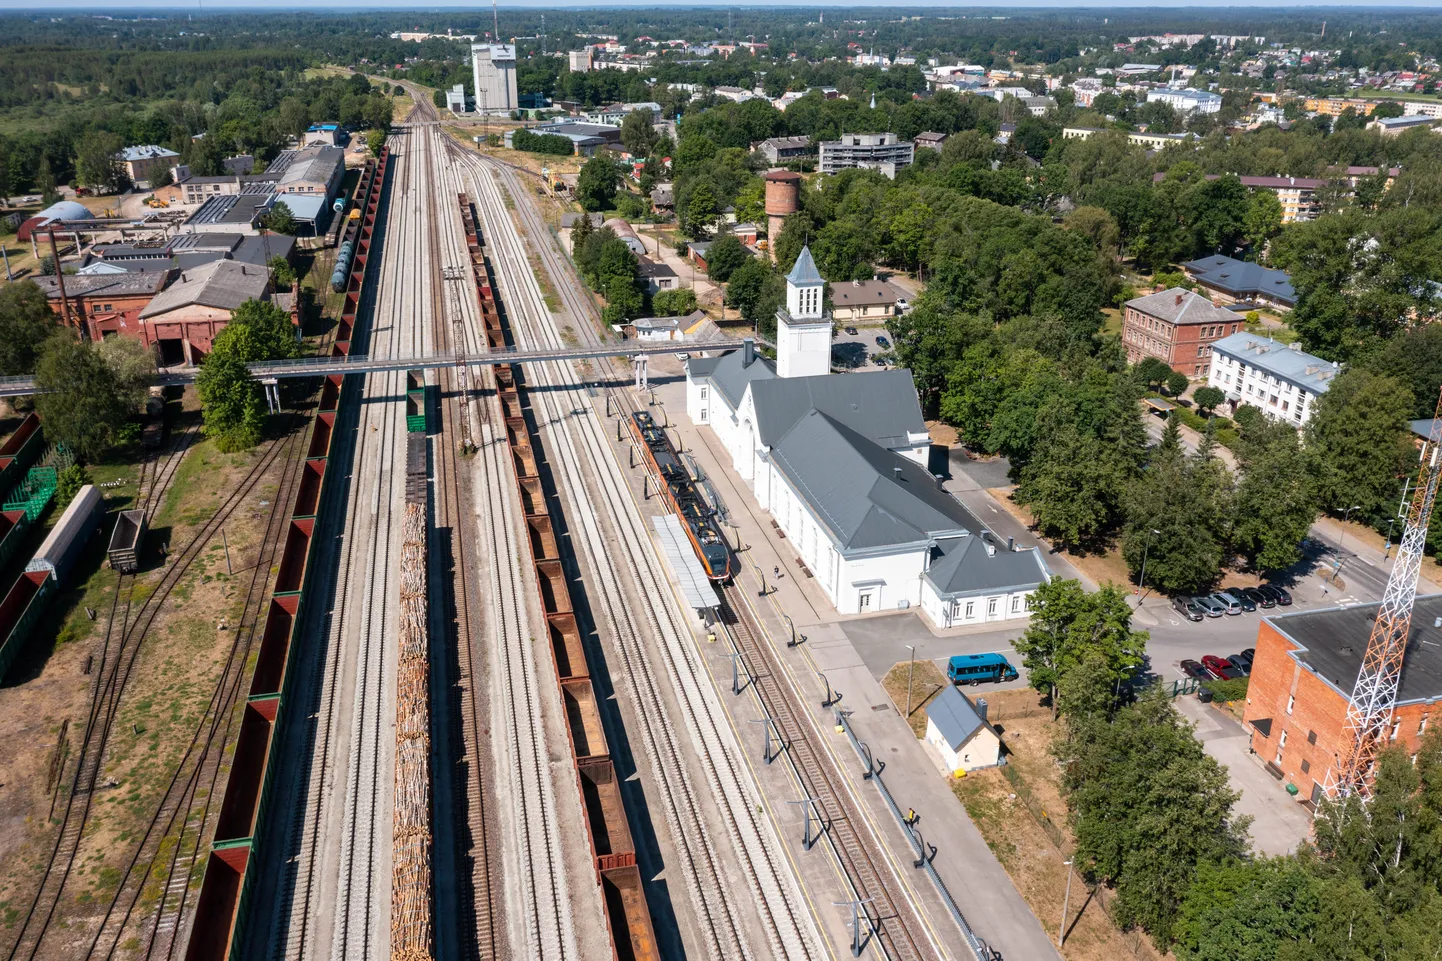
{"x": 20, "y": 451}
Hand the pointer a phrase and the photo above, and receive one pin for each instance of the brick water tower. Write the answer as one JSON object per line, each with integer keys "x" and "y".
{"x": 783, "y": 198}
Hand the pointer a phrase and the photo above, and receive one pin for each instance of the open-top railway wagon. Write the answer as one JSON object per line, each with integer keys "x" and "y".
{"x": 680, "y": 490}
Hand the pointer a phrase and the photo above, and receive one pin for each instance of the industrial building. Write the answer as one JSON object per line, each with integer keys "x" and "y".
{"x": 185, "y": 317}
{"x": 493, "y": 67}
{"x": 587, "y": 138}
{"x": 840, "y": 462}
{"x": 1302, "y": 680}
{"x": 875, "y": 151}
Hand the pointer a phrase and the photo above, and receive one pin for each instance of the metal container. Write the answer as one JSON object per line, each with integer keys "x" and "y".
{"x": 13, "y": 525}
{"x": 125, "y": 541}
{"x": 69, "y": 537}
{"x": 19, "y": 611}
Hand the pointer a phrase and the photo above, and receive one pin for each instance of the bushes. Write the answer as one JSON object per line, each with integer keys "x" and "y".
{"x": 1233, "y": 690}
{"x": 674, "y": 303}
{"x": 542, "y": 143}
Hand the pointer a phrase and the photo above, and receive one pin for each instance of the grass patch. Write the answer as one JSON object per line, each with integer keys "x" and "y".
{"x": 926, "y": 683}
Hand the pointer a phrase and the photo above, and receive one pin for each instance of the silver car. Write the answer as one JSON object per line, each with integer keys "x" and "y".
{"x": 1210, "y": 606}
{"x": 1228, "y": 603}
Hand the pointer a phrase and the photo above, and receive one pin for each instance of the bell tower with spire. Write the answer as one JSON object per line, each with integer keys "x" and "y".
{"x": 803, "y": 328}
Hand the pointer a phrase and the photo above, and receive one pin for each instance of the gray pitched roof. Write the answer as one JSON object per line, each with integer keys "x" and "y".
{"x": 1178, "y": 306}
{"x": 962, "y": 566}
{"x": 865, "y": 495}
{"x": 1292, "y": 365}
{"x": 881, "y": 406}
{"x": 222, "y": 284}
{"x": 862, "y": 293}
{"x": 954, "y": 716}
{"x": 731, "y": 378}
{"x": 805, "y": 270}
{"x": 103, "y": 285}
{"x": 1241, "y": 278}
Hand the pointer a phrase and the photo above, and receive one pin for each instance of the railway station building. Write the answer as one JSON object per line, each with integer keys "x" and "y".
{"x": 840, "y": 463}
{"x": 1303, "y": 673}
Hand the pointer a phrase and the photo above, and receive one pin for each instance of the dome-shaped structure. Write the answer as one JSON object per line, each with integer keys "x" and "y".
{"x": 60, "y": 210}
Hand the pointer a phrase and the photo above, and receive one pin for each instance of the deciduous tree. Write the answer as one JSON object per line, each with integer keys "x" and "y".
{"x": 26, "y": 320}
{"x": 81, "y": 401}
{"x": 1068, "y": 625}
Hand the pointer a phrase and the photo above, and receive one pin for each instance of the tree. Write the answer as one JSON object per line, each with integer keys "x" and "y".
{"x": 1263, "y": 220}
{"x": 81, "y": 401}
{"x": 375, "y": 140}
{"x": 133, "y": 365}
{"x": 1067, "y": 485}
{"x": 1208, "y": 398}
{"x": 97, "y": 162}
{"x": 757, "y": 290}
{"x": 164, "y": 178}
{"x": 1176, "y": 383}
{"x": 230, "y": 398}
{"x": 637, "y": 133}
{"x": 1247, "y": 910}
{"x": 580, "y": 231}
{"x": 1276, "y": 500}
{"x": 280, "y": 220}
{"x": 282, "y": 274}
{"x": 1358, "y": 437}
{"x": 701, "y": 211}
{"x": 1069, "y": 625}
{"x": 725, "y": 255}
{"x": 259, "y": 330}
{"x": 1152, "y": 371}
{"x": 1176, "y": 517}
{"x": 596, "y": 186}
{"x": 674, "y": 303}
{"x": 68, "y": 484}
{"x": 25, "y": 321}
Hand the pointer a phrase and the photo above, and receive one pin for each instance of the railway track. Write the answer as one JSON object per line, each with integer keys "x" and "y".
{"x": 548, "y": 927}
{"x": 118, "y": 656}
{"x": 476, "y": 905}
{"x": 625, "y": 551}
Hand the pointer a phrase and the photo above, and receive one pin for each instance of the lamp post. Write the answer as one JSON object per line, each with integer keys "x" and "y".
{"x": 1345, "y": 515}
{"x": 910, "y": 670}
{"x": 1065, "y": 905}
{"x": 1142, "y": 583}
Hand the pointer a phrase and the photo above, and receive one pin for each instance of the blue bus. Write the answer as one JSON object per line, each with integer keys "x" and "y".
{"x": 975, "y": 668}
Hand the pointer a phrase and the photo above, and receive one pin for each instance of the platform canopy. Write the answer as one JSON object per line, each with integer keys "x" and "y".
{"x": 685, "y": 566}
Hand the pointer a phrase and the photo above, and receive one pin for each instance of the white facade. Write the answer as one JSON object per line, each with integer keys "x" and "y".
{"x": 579, "y": 60}
{"x": 1187, "y": 101}
{"x": 1245, "y": 371}
{"x": 803, "y": 331}
{"x": 981, "y": 750}
{"x": 493, "y": 67}
{"x": 982, "y": 609}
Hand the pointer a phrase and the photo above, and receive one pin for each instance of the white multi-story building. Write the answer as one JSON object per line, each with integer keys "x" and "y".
{"x": 579, "y": 60}
{"x": 1188, "y": 100}
{"x": 840, "y": 462}
{"x": 493, "y": 67}
{"x": 877, "y": 151}
{"x": 1278, "y": 379}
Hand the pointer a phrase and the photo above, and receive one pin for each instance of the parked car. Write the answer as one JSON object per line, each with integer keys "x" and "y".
{"x": 1240, "y": 663}
{"x": 1250, "y": 653}
{"x": 1188, "y": 608}
{"x": 1277, "y": 594}
{"x": 851, "y": 331}
{"x": 1240, "y": 596}
{"x": 1259, "y": 598}
{"x": 1210, "y": 605}
{"x": 901, "y": 305}
{"x": 1192, "y": 669}
{"x": 1229, "y": 603}
{"x": 883, "y": 342}
{"x": 1214, "y": 664}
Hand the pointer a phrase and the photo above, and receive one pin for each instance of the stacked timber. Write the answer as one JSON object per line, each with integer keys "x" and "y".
{"x": 411, "y": 826}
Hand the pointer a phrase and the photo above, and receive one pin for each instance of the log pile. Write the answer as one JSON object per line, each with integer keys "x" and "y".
{"x": 411, "y": 826}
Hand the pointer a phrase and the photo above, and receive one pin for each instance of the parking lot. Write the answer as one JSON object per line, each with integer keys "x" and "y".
{"x": 857, "y": 351}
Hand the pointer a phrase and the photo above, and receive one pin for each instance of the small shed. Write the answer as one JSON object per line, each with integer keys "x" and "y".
{"x": 957, "y": 727}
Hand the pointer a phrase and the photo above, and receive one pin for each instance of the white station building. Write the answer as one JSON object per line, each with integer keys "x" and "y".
{"x": 840, "y": 462}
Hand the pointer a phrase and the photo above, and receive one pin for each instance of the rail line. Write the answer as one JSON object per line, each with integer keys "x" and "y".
{"x": 117, "y": 660}
{"x": 789, "y": 931}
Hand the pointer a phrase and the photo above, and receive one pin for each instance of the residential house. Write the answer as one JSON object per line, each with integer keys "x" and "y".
{"x": 958, "y": 729}
{"x": 863, "y": 302}
{"x": 1278, "y": 379}
{"x": 930, "y": 141}
{"x": 782, "y": 150}
{"x": 1177, "y": 327}
{"x": 656, "y": 275}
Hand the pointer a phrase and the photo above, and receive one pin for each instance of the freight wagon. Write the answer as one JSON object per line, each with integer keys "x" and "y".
{"x": 125, "y": 541}
{"x": 19, "y": 611}
{"x": 68, "y": 538}
{"x": 13, "y": 525}
{"x": 20, "y": 451}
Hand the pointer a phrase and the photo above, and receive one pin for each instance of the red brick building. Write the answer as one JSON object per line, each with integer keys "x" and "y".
{"x": 1306, "y": 665}
{"x": 106, "y": 304}
{"x": 1178, "y": 327}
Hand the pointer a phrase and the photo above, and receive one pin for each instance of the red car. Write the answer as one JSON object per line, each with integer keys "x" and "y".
{"x": 1220, "y": 669}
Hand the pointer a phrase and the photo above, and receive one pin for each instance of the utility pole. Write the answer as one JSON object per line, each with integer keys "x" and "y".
{"x": 910, "y": 670}
{"x": 59, "y": 277}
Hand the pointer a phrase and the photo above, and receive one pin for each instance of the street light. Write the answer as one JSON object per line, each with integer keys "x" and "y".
{"x": 1065, "y": 904}
{"x": 1141, "y": 584}
{"x": 1345, "y": 515}
{"x": 910, "y": 670}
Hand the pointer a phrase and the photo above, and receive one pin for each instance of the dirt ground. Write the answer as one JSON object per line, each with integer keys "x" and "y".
{"x": 1013, "y": 827}
{"x": 166, "y": 695}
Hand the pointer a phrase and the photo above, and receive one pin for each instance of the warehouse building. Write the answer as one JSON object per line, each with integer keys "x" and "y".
{"x": 840, "y": 462}
{"x": 1305, "y": 667}
{"x": 493, "y": 69}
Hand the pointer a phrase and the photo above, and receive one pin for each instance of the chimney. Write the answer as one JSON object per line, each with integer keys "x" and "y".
{"x": 981, "y": 708}
{"x": 748, "y": 352}
{"x": 1179, "y": 300}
